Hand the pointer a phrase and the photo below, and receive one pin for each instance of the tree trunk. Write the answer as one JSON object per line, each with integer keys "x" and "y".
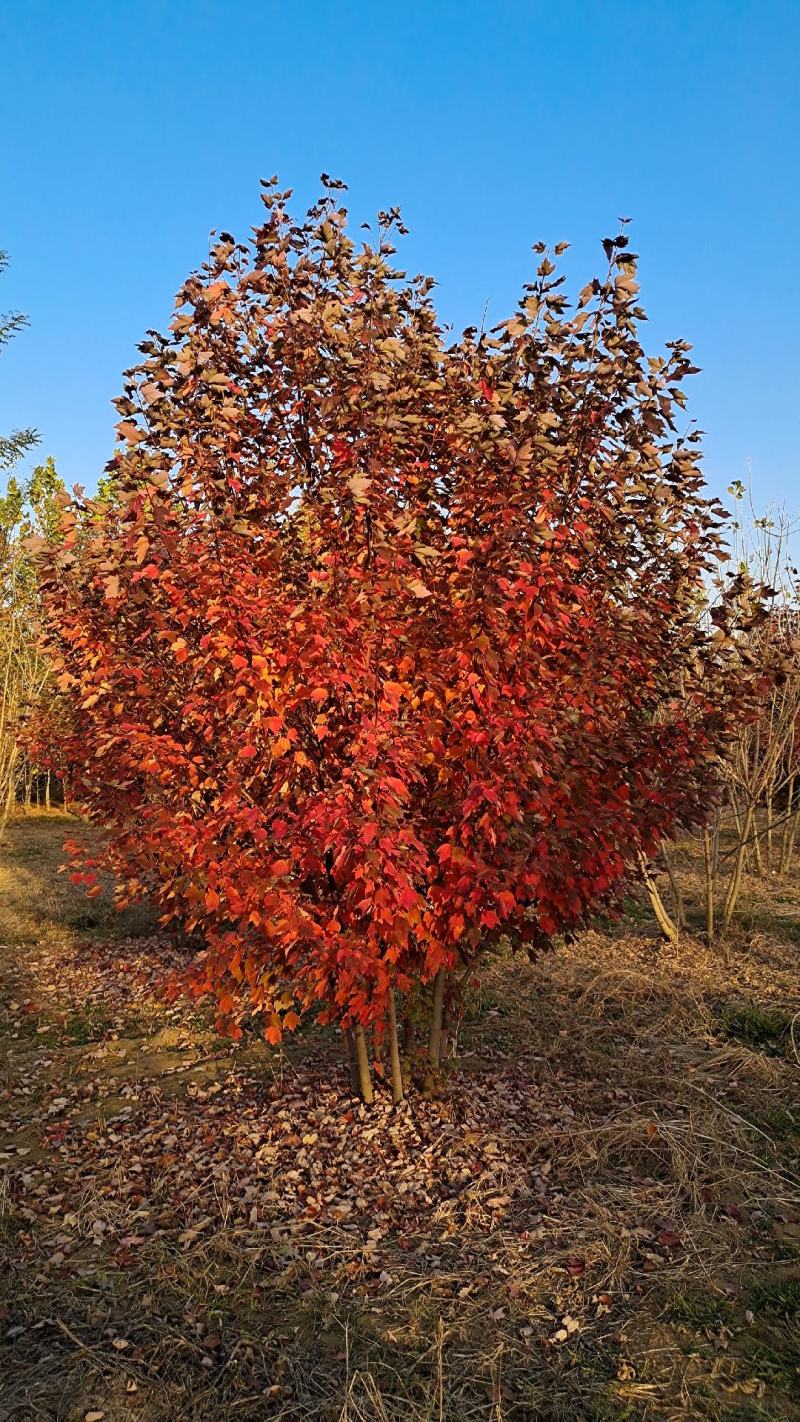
{"x": 680, "y": 908}
{"x": 352, "y": 1061}
{"x": 789, "y": 829}
{"x": 735, "y": 882}
{"x": 364, "y": 1078}
{"x": 447, "y": 1027}
{"x": 715, "y": 854}
{"x": 394, "y": 1052}
{"x": 408, "y": 1034}
{"x": 47, "y": 791}
{"x": 8, "y": 799}
{"x": 739, "y": 830}
{"x": 665, "y": 923}
{"x": 708, "y": 853}
{"x": 435, "y": 1036}
{"x": 435, "y": 1039}
{"x": 757, "y": 855}
{"x": 792, "y": 836}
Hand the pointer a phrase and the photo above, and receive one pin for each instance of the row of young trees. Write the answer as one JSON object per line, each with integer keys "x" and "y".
{"x": 31, "y": 710}
{"x": 751, "y": 823}
{"x": 386, "y": 648}
{"x": 29, "y": 705}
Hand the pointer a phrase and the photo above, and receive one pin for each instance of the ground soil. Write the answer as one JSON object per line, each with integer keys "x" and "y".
{"x": 596, "y": 1218}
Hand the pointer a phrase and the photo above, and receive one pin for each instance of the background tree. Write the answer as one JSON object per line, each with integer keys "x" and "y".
{"x": 18, "y": 442}
{"x": 752, "y": 814}
{"x": 30, "y": 712}
{"x": 18, "y": 676}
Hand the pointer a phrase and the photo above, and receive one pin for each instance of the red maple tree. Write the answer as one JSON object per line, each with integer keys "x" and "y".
{"x": 379, "y": 650}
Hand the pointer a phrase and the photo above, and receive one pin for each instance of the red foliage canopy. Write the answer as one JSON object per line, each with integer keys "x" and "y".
{"x": 376, "y": 648}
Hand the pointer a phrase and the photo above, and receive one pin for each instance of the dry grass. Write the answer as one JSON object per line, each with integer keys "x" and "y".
{"x": 38, "y": 903}
{"x": 605, "y": 1225}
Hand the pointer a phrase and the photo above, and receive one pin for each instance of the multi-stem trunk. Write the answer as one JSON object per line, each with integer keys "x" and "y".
{"x": 352, "y": 1060}
{"x": 770, "y": 821}
{"x": 757, "y": 855}
{"x": 8, "y": 798}
{"x": 435, "y": 1035}
{"x": 677, "y": 894}
{"x": 362, "y": 1057}
{"x": 740, "y": 834}
{"x": 792, "y": 836}
{"x": 437, "y": 1010}
{"x": 789, "y": 828}
{"x": 708, "y": 855}
{"x": 665, "y": 923}
{"x": 735, "y": 881}
{"x": 394, "y": 1052}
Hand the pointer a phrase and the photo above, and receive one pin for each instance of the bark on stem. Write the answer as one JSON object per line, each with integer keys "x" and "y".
{"x": 362, "y": 1056}
{"x": 435, "y": 1039}
{"x": 680, "y": 908}
{"x": 352, "y": 1061}
{"x": 792, "y": 837}
{"x": 394, "y": 1052}
{"x": 8, "y": 801}
{"x": 715, "y": 845}
{"x": 708, "y": 852}
{"x": 665, "y": 923}
{"x": 435, "y": 1035}
{"x": 738, "y": 868}
{"x": 789, "y": 830}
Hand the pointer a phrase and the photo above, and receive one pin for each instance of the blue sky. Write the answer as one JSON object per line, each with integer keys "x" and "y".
{"x": 129, "y": 128}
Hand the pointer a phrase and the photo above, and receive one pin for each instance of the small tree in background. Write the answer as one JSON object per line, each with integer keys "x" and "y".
{"x": 31, "y": 716}
{"x": 379, "y": 652}
{"x": 25, "y": 683}
{"x": 752, "y": 813}
{"x": 17, "y": 443}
